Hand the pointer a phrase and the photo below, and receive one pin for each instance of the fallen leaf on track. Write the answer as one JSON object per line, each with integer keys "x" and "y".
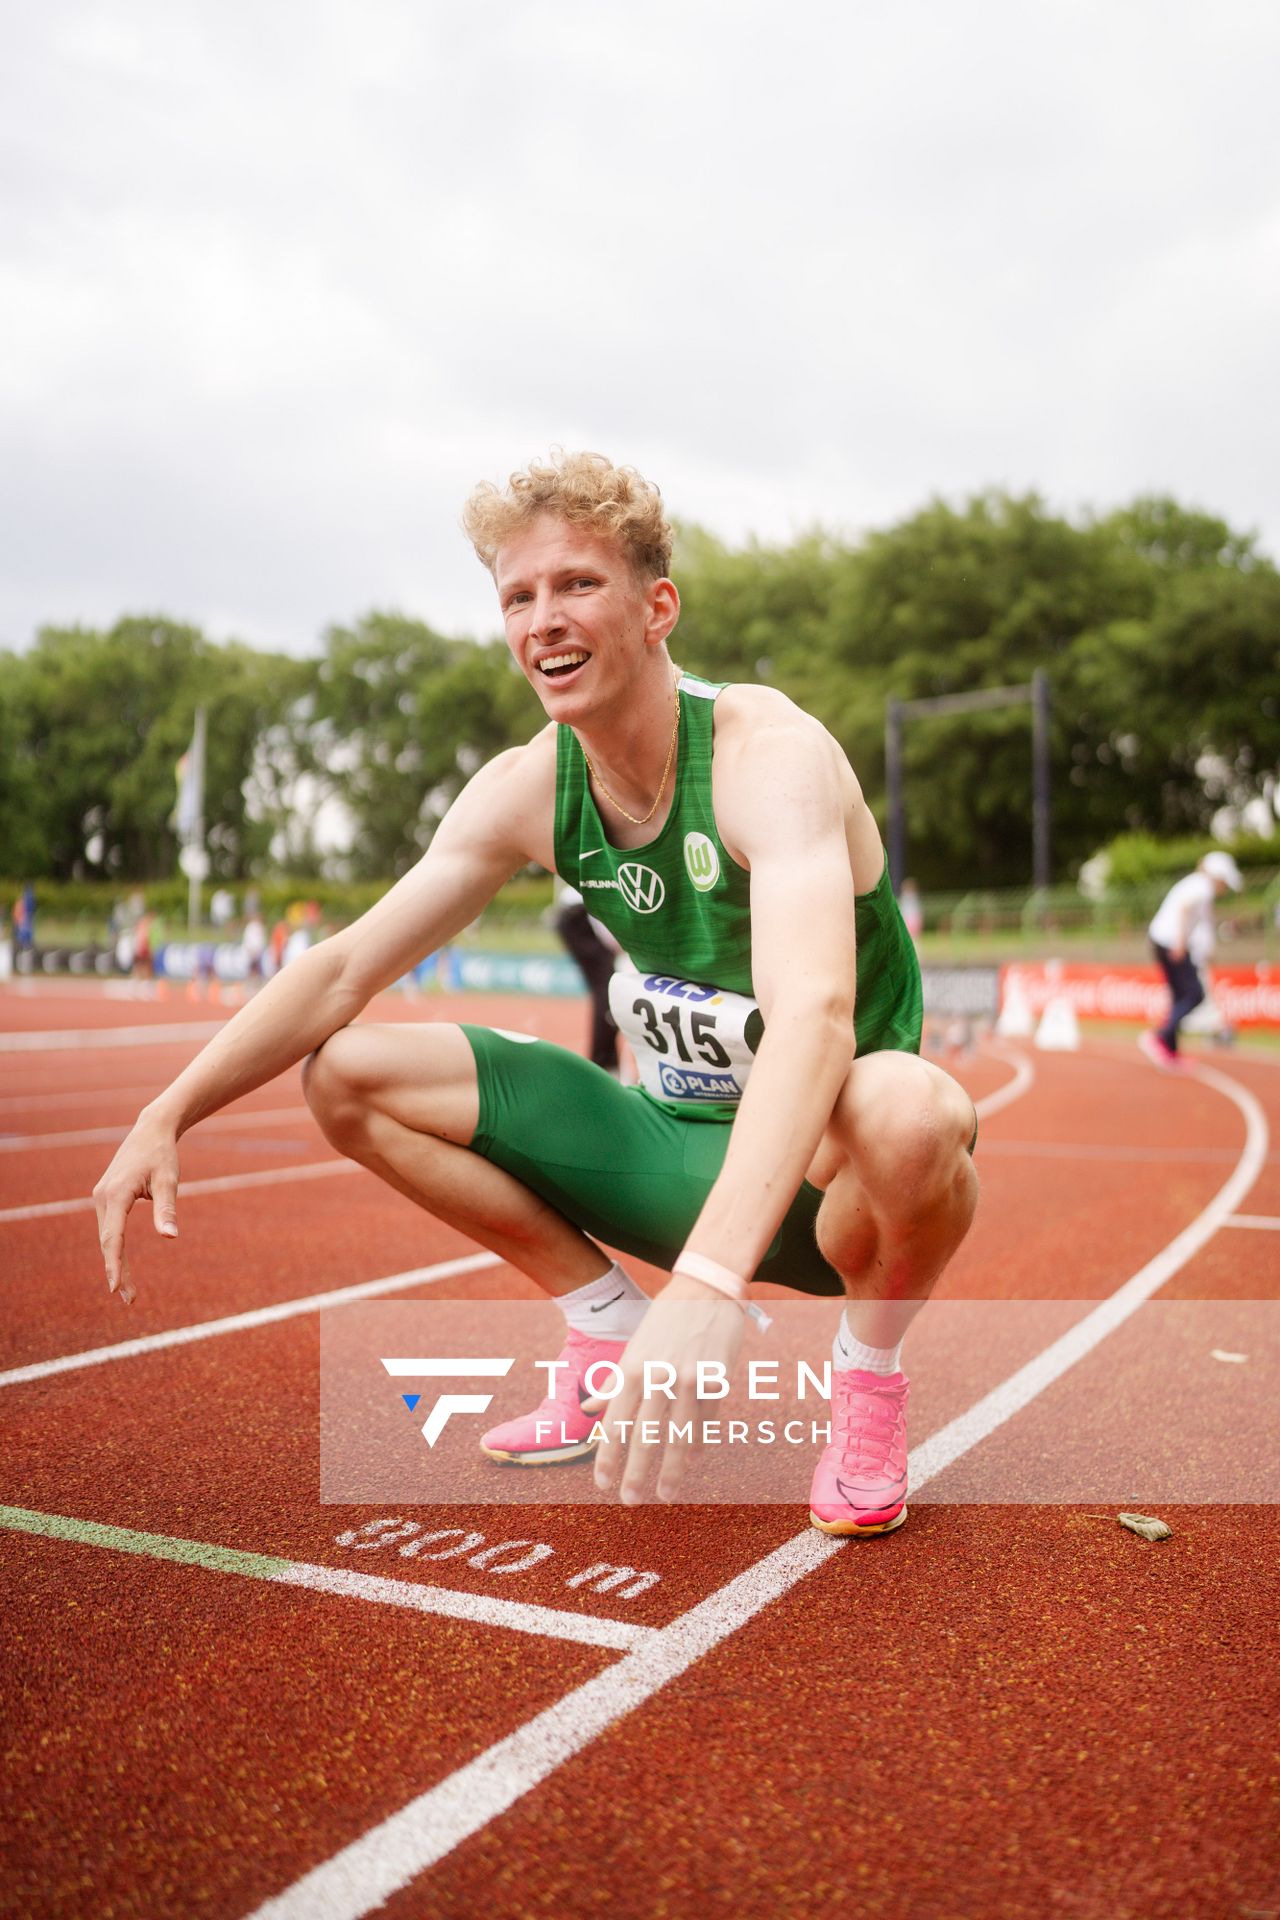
{"x": 1142, "y": 1523}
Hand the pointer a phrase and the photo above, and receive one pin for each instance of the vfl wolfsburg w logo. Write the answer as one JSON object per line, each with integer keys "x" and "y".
{"x": 641, "y": 887}
{"x": 702, "y": 861}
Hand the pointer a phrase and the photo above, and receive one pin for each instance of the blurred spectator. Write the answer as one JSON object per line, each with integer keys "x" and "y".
{"x": 912, "y": 908}
{"x": 254, "y": 942}
{"x": 593, "y": 949}
{"x": 24, "y": 922}
{"x": 204, "y": 983}
{"x": 145, "y": 933}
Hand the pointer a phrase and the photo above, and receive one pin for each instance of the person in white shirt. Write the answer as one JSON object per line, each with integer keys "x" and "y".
{"x": 1182, "y": 939}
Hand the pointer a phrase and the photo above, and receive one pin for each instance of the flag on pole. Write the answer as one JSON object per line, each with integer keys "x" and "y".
{"x": 188, "y": 815}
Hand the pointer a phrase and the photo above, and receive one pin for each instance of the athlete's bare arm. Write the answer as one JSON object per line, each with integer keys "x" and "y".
{"x": 502, "y": 819}
{"x": 788, "y": 808}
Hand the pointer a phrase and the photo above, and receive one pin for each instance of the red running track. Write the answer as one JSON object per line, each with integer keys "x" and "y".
{"x": 1001, "y": 1710}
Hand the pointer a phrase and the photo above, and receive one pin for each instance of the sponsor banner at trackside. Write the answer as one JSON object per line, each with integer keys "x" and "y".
{"x": 456, "y": 970}
{"x": 1244, "y": 996}
{"x": 461, "y": 969}
{"x": 971, "y": 992}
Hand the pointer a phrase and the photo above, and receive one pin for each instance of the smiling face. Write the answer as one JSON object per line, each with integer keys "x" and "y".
{"x": 579, "y": 623}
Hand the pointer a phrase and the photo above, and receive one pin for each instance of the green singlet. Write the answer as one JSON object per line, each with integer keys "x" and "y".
{"x": 632, "y": 1166}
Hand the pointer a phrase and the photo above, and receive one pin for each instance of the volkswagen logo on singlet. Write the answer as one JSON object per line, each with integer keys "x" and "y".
{"x": 641, "y": 887}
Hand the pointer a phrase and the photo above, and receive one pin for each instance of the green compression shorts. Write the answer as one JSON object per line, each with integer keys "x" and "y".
{"x": 617, "y": 1164}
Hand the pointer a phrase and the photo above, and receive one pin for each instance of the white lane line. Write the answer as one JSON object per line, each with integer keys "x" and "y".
{"x": 520, "y": 1616}
{"x": 1257, "y": 1220}
{"x": 93, "y": 1096}
{"x": 256, "y": 1317}
{"x": 1071, "y": 1150}
{"x": 982, "y": 1419}
{"x": 90, "y": 1037}
{"x": 95, "y": 1356}
{"x": 1024, "y": 1074}
{"x": 223, "y": 1183}
{"x": 366, "y": 1873}
{"x": 386, "y": 1858}
{"x": 102, "y": 1136}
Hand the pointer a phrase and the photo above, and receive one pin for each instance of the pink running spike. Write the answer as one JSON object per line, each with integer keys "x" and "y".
{"x": 559, "y": 1429}
{"x": 860, "y": 1485}
{"x": 1159, "y": 1054}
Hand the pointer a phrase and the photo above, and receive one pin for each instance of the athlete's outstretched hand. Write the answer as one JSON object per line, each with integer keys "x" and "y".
{"x": 145, "y": 1167}
{"x": 687, "y": 1323}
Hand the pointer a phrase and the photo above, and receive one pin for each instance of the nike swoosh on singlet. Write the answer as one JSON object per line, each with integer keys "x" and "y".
{"x": 591, "y": 856}
{"x": 606, "y": 1303}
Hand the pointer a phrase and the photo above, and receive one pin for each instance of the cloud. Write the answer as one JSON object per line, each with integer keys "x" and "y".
{"x": 279, "y": 284}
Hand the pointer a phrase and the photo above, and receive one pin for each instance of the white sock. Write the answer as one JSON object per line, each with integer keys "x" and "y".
{"x": 848, "y": 1353}
{"x": 610, "y": 1308}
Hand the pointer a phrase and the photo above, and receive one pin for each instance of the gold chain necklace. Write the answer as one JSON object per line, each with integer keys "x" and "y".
{"x": 642, "y": 819}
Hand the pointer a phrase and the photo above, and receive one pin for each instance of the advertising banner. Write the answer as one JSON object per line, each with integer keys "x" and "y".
{"x": 1245, "y": 996}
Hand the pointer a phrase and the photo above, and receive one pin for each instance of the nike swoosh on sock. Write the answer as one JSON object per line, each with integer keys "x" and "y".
{"x": 607, "y": 1303}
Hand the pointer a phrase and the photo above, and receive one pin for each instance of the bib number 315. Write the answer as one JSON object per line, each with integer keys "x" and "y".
{"x": 692, "y": 1043}
{"x": 702, "y": 1032}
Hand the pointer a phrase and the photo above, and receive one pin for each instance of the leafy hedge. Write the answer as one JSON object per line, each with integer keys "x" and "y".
{"x": 523, "y": 898}
{"x": 1137, "y": 859}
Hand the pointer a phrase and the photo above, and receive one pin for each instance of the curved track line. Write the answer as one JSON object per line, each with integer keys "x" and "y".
{"x": 386, "y": 1858}
{"x": 964, "y": 1432}
{"x": 1024, "y": 1074}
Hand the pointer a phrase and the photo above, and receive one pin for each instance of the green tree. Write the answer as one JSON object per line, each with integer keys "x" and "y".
{"x": 104, "y": 718}
{"x": 953, "y": 600}
{"x": 399, "y": 719}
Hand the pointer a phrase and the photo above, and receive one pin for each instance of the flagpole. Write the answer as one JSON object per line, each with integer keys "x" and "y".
{"x": 197, "y": 825}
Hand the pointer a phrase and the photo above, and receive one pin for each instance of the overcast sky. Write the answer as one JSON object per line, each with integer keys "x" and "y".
{"x": 280, "y": 281}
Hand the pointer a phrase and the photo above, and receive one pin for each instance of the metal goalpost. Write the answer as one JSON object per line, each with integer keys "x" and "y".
{"x": 1035, "y": 693}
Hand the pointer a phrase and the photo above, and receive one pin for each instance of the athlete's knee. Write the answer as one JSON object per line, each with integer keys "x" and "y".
{"x": 336, "y": 1079}
{"x": 906, "y": 1127}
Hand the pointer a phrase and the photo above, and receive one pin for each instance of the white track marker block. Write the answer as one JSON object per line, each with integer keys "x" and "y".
{"x": 1059, "y": 1030}
{"x": 1016, "y": 1022}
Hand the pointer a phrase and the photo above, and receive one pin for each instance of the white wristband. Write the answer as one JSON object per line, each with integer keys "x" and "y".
{"x": 712, "y": 1274}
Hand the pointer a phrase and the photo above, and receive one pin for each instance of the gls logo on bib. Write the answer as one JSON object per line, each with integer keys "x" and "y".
{"x": 701, "y": 860}
{"x": 641, "y": 887}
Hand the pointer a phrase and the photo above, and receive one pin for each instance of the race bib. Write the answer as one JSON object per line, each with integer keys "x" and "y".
{"x": 690, "y": 1042}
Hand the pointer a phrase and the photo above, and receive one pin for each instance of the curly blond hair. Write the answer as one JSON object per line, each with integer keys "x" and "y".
{"x": 586, "y": 490}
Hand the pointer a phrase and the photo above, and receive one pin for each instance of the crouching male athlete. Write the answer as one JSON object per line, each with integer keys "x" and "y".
{"x": 785, "y": 1127}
